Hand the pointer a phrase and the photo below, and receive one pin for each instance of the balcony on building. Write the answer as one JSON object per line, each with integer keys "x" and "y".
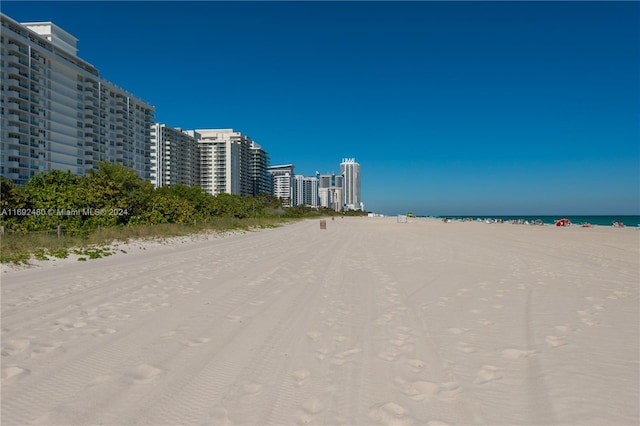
{"x": 13, "y": 176}
{"x": 13, "y": 48}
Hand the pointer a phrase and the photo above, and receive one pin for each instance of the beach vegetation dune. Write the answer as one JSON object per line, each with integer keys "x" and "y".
{"x": 56, "y": 211}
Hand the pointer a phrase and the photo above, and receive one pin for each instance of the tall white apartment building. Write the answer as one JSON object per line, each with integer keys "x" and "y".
{"x": 259, "y": 170}
{"x": 225, "y": 161}
{"x": 350, "y": 170}
{"x": 175, "y": 157}
{"x": 57, "y": 112}
{"x": 305, "y": 191}
{"x": 282, "y": 182}
{"x": 330, "y": 187}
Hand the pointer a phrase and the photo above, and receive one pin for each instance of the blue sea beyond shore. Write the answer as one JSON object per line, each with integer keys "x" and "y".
{"x": 631, "y": 221}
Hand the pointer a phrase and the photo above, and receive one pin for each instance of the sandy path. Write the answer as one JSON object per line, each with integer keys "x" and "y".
{"x": 367, "y": 322}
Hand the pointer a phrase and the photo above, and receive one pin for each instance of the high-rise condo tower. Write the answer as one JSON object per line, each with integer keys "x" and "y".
{"x": 58, "y": 113}
{"x": 350, "y": 170}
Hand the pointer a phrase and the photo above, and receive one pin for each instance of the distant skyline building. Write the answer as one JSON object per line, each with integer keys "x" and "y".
{"x": 282, "y": 182}
{"x": 58, "y": 113}
{"x": 305, "y": 191}
{"x": 330, "y": 187}
{"x": 175, "y": 156}
{"x": 350, "y": 170}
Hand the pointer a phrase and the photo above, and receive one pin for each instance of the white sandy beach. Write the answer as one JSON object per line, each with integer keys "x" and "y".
{"x": 369, "y": 322}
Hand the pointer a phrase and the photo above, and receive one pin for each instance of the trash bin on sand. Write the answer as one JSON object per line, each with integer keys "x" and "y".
{"x": 323, "y": 224}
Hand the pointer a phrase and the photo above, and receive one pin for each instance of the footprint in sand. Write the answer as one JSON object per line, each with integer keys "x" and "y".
{"x": 555, "y": 341}
{"x": 391, "y": 353}
{"x": 310, "y": 408}
{"x": 449, "y": 391}
{"x": 46, "y": 348}
{"x": 103, "y": 332}
{"x": 301, "y": 377}
{"x": 342, "y": 357}
{"x": 485, "y": 322}
{"x": 314, "y": 335}
{"x": 456, "y": 330}
{"x": 330, "y": 322}
{"x": 13, "y": 347}
{"x": 402, "y": 345}
{"x": 321, "y": 353}
{"x": 617, "y": 294}
{"x": 339, "y": 338}
{"x": 390, "y": 414}
{"x": 144, "y": 373}
{"x": 590, "y": 322}
{"x": 197, "y": 342}
{"x": 488, "y": 373}
{"x": 466, "y": 348}
{"x": 66, "y": 324}
{"x": 586, "y": 318}
{"x": 120, "y": 317}
{"x": 13, "y": 371}
{"x": 419, "y": 390}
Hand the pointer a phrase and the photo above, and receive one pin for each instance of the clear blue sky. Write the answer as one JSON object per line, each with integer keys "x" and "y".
{"x": 450, "y": 108}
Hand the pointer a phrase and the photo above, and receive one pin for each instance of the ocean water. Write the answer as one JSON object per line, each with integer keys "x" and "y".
{"x": 631, "y": 221}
